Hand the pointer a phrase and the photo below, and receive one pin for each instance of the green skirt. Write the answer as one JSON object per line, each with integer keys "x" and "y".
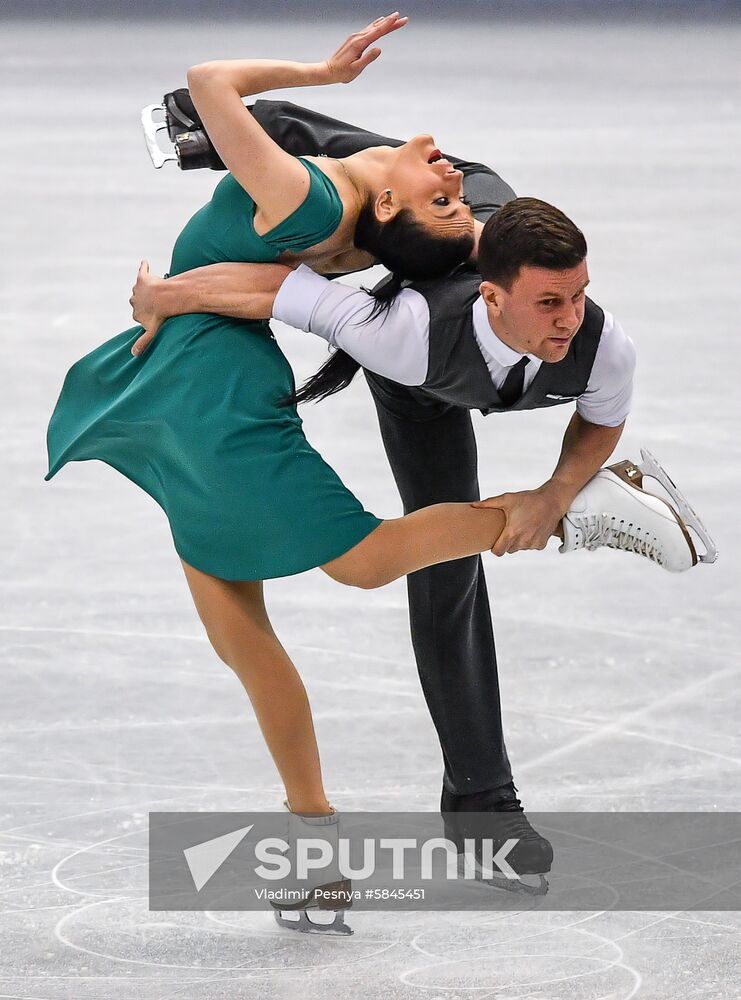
{"x": 196, "y": 423}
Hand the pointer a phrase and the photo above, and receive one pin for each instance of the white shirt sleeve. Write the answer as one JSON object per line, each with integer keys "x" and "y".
{"x": 606, "y": 400}
{"x": 394, "y": 344}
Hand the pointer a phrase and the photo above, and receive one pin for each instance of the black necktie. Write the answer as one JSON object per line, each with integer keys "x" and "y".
{"x": 512, "y": 386}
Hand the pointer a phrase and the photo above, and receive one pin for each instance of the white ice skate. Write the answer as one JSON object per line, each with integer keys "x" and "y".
{"x": 327, "y": 893}
{"x": 614, "y": 510}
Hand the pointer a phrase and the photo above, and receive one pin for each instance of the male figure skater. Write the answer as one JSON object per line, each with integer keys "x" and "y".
{"x": 507, "y": 344}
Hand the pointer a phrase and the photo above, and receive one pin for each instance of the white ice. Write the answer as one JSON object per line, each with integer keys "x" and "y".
{"x": 620, "y": 682}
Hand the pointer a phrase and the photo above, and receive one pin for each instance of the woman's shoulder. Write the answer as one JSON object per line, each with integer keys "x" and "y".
{"x": 315, "y": 219}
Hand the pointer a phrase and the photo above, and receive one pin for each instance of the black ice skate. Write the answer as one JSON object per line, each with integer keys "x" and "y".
{"x": 497, "y": 814}
{"x": 191, "y": 146}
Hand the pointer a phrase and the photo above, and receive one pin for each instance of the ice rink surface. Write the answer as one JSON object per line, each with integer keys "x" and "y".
{"x": 620, "y": 682}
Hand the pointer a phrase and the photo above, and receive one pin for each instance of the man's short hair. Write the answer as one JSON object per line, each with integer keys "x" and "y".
{"x": 527, "y": 232}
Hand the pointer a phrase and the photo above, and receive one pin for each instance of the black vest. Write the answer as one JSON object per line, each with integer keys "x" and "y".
{"x": 457, "y": 372}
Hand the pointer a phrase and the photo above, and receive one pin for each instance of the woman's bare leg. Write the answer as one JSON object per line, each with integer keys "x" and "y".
{"x": 239, "y": 629}
{"x": 403, "y": 545}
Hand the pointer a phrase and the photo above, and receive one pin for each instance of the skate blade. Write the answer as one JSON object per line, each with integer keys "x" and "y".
{"x": 299, "y": 921}
{"x": 529, "y": 885}
{"x": 152, "y": 129}
{"x": 525, "y": 885}
{"x": 652, "y": 468}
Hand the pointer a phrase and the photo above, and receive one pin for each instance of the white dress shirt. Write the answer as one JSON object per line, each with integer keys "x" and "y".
{"x": 396, "y": 343}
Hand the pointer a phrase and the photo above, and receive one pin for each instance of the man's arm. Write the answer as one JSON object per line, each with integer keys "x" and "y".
{"x": 243, "y": 291}
{"x": 591, "y": 436}
{"x": 584, "y": 450}
{"x": 394, "y": 343}
{"x": 533, "y": 516}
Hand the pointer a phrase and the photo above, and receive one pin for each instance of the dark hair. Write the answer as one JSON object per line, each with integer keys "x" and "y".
{"x": 527, "y": 232}
{"x": 411, "y": 252}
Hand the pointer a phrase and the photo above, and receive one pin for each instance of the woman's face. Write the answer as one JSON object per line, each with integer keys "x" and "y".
{"x": 421, "y": 180}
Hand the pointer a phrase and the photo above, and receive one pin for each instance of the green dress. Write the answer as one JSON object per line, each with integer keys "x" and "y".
{"x": 196, "y": 422}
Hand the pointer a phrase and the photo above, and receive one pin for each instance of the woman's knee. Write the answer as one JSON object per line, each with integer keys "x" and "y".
{"x": 228, "y": 637}
{"x": 362, "y": 577}
{"x": 239, "y": 641}
{"x": 233, "y": 614}
{"x": 221, "y": 645}
{"x": 360, "y": 569}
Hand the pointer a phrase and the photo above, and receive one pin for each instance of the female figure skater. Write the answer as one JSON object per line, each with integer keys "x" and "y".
{"x": 199, "y": 425}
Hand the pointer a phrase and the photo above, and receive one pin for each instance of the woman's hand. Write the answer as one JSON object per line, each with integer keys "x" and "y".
{"x": 351, "y": 58}
{"x": 147, "y": 306}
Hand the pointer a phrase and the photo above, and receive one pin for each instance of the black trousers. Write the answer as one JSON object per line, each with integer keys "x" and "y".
{"x": 432, "y": 451}
{"x": 431, "y": 448}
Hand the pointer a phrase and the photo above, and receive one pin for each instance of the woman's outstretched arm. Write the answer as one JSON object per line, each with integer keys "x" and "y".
{"x": 276, "y": 181}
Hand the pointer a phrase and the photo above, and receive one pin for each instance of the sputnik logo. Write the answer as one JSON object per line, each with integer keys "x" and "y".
{"x": 205, "y": 859}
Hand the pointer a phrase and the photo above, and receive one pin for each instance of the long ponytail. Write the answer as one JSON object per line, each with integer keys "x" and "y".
{"x": 340, "y": 368}
{"x": 335, "y": 374}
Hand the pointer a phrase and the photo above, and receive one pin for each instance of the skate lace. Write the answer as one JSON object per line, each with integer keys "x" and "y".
{"x": 602, "y": 529}
{"x": 511, "y": 818}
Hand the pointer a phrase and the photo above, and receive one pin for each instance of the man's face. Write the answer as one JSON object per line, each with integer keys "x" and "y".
{"x": 541, "y": 312}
